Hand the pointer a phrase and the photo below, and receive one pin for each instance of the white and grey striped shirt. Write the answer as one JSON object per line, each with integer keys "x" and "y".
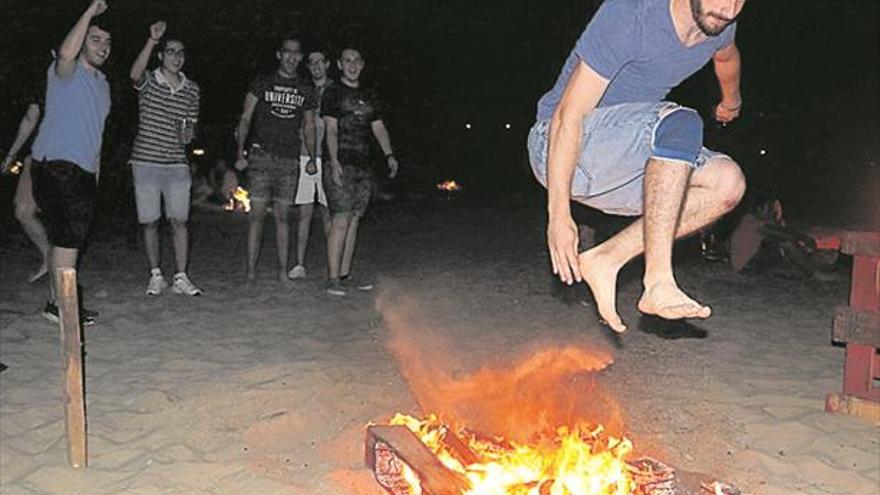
{"x": 160, "y": 107}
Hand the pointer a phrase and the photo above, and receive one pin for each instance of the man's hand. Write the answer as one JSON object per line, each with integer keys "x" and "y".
{"x": 562, "y": 239}
{"x": 336, "y": 172}
{"x": 6, "y": 165}
{"x": 241, "y": 163}
{"x": 393, "y": 166}
{"x": 157, "y": 30}
{"x": 97, "y": 7}
{"x": 311, "y": 168}
{"x": 726, "y": 113}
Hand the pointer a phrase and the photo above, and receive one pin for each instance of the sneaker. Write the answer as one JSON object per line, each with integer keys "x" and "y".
{"x": 297, "y": 272}
{"x": 361, "y": 285}
{"x": 86, "y": 316}
{"x": 335, "y": 288}
{"x": 183, "y": 285}
{"x": 156, "y": 285}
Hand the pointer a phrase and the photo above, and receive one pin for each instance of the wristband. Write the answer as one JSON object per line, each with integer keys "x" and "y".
{"x": 389, "y": 155}
{"x": 731, "y": 109}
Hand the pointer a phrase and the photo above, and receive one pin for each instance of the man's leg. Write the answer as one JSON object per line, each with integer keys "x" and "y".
{"x": 256, "y": 218}
{"x": 151, "y": 243}
{"x": 325, "y": 219}
{"x": 282, "y": 237}
{"x": 302, "y": 234}
{"x": 26, "y": 214}
{"x": 336, "y": 242}
{"x": 350, "y": 243}
{"x": 181, "y": 244}
{"x": 711, "y": 191}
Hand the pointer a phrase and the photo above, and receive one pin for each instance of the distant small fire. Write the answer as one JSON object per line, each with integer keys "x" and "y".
{"x": 240, "y": 201}
{"x": 449, "y": 186}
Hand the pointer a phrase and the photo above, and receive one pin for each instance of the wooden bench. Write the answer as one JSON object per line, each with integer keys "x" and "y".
{"x": 858, "y": 325}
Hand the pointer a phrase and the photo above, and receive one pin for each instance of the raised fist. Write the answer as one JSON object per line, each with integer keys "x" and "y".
{"x": 157, "y": 30}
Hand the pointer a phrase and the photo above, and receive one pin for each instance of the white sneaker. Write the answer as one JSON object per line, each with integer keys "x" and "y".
{"x": 297, "y": 272}
{"x": 156, "y": 285}
{"x": 183, "y": 285}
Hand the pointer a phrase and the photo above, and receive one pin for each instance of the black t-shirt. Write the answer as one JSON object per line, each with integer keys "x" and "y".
{"x": 278, "y": 116}
{"x": 355, "y": 109}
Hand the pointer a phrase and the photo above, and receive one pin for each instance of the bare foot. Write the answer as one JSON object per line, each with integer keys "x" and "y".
{"x": 667, "y": 301}
{"x": 284, "y": 280}
{"x": 600, "y": 274}
{"x": 40, "y": 273}
{"x": 250, "y": 279}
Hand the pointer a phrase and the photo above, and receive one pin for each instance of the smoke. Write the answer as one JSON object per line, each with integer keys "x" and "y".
{"x": 520, "y": 397}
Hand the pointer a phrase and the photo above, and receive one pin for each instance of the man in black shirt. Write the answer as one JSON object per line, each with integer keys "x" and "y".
{"x": 353, "y": 116}
{"x": 276, "y": 107}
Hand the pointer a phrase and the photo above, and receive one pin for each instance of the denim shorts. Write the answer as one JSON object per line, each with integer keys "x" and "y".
{"x": 616, "y": 144}
{"x": 155, "y": 183}
{"x": 272, "y": 177}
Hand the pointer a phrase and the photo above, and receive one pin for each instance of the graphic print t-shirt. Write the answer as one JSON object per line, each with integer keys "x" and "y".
{"x": 355, "y": 109}
{"x": 278, "y": 116}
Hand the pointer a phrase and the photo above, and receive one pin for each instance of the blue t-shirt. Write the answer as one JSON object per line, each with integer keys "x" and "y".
{"x": 76, "y": 108}
{"x": 633, "y": 44}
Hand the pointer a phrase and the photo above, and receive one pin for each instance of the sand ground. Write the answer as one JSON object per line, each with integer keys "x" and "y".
{"x": 267, "y": 391}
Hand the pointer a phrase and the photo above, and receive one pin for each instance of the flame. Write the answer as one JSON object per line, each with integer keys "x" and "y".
{"x": 576, "y": 461}
{"x": 239, "y": 197}
{"x": 449, "y": 185}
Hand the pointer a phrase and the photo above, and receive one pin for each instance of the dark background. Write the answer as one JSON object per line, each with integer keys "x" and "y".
{"x": 810, "y": 85}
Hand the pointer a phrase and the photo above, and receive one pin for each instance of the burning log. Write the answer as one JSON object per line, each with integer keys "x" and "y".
{"x": 392, "y": 451}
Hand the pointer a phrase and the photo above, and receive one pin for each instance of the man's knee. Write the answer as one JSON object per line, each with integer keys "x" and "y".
{"x": 729, "y": 182}
{"x": 678, "y": 136}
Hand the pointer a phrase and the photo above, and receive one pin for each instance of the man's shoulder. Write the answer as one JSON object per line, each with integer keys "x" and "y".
{"x": 629, "y": 10}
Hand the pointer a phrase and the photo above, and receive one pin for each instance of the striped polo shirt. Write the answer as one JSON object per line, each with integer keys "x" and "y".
{"x": 161, "y": 107}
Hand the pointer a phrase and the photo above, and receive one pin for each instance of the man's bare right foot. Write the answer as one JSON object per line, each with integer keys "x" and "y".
{"x": 667, "y": 301}
{"x": 600, "y": 274}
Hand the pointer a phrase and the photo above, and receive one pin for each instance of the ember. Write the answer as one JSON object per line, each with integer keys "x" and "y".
{"x": 240, "y": 201}
{"x": 449, "y": 186}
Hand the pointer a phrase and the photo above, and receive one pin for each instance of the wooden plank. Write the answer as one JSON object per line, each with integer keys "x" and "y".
{"x": 856, "y": 327}
{"x": 844, "y": 404}
{"x": 864, "y": 292}
{"x": 72, "y": 367}
{"x": 436, "y": 479}
{"x": 860, "y": 243}
{"x": 859, "y": 372}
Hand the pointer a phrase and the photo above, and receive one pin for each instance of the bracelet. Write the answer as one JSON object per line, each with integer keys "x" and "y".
{"x": 154, "y": 40}
{"x": 389, "y": 155}
{"x": 729, "y": 109}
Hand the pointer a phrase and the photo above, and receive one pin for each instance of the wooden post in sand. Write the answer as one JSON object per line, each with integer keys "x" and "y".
{"x": 72, "y": 366}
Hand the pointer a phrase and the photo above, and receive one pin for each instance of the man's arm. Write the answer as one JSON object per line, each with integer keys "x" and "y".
{"x": 136, "y": 74}
{"x": 244, "y": 126}
{"x": 728, "y": 68}
{"x": 65, "y": 64}
{"x": 25, "y": 128}
{"x": 332, "y": 135}
{"x": 309, "y": 134}
{"x": 582, "y": 93}
{"x": 381, "y": 134}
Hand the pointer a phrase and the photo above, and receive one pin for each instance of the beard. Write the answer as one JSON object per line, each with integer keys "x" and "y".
{"x": 702, "y": 18}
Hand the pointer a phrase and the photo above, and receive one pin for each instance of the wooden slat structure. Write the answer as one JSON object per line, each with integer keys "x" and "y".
{"x": 72, "y": 390}
{"x": 858, "y": 327}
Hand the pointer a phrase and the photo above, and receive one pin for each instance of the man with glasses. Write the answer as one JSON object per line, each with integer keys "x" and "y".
{"x": 276, "y": 107}
{"x": 168, "y": 104}
{"x": 310, "y": 190}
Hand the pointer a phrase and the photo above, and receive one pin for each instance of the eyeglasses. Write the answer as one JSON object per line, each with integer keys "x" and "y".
{"x": 172, "y": 52}
{"x": 317, "y": 62}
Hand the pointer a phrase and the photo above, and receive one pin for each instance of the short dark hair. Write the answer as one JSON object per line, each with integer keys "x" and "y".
{"x": 289, "y": 38}
{"x": 97, "y": 22}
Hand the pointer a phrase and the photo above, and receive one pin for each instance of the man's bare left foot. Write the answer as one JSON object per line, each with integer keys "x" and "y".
{"x": 600, "y": 274}
{"x": 667, "y": 301}
{"x": 40, "y": 273}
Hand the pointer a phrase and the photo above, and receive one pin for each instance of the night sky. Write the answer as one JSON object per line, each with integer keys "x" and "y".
{"x": 810, "y": 81}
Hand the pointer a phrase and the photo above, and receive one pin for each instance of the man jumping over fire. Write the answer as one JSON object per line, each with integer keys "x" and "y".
{"x": 606, "y": 138}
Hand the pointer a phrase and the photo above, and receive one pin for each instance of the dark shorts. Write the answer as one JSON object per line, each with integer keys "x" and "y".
{"x": 65, "y": 194}
{"x": 271, "y": 177}
{"x": 354, "y": 194}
